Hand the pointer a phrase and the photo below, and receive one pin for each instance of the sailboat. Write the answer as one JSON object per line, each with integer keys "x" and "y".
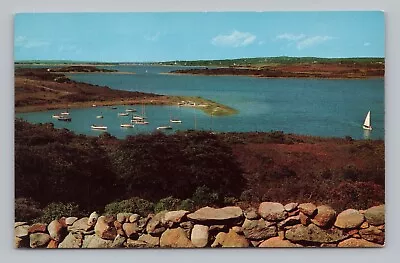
{"x": 367, "y": 122}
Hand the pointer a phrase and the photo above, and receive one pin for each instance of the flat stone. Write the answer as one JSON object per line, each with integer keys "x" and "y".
{"x": 69, "y": 221}
{"x": 325, "y": 216}
{"x": 137, "y": 244}
{"x": 230, "y": 239}
{"x": 290, "y": 221}
{"x": 134, "y": 218}
{"x": 131, "y": 229}
{"x": 175, "y": 238}
{"x": 56, "y": 230}
{"x": 291, "y": 207}
{"x": 199, "y": 236}
{"x": 38, "y": 227}
{"x": 218, "y": 228}
{"x": 349, "y": 218}
{"x": 308, "y": 209}
{"x": 72, "y": 240}
{"x": 373, "y": 234}
{"x": 95, "y": 241}
{"x": 149, "y": 239}
{"x": 16, "y": 224}
{"x": 356, "y": 242}
{"x": 174, "y": 216}
{"x": 258, "y": 229}
{"x": 39, "y": 240}
{"x": 123, "y": 217}
{"x": 251, "y": 214}
{"x": 80, "y": 225}
{"x": 272, "y": 211}
{"x": 375, "y": 215}
{"x": 21, "y": 231}
{"x": 278, "y": 242}
{"x": 118, "y": 242}
{"x": 105, "y": 228}
{"x": 313, "y": 233}
{"x": 216, "y": 215}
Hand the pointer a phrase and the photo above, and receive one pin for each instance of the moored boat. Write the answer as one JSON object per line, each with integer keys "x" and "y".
{"x": 130, "y": 110}
{"x": 99, "y": 117}
{"x": 123, "y": 114}
{"x": 164, "y": 128}
{"x": 127, "y": 125}
{"x": 97, "y": 127}
{"x": 367, "y": 122}
{"x": 64, "y": 118}
{"x": 175, "y": 121}
{"x": 55, "y": 116}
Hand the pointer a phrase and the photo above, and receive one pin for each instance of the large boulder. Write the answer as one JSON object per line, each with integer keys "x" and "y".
{"x": 272, "y": 211}
{"x": 373, "y": 234}
{"x": 150, "y": 240}
{"x": 251, "y": 214}
{"x": 93, "y": 218}
{"x": 105, "y": 227}
{"x": 56, "y": 230}
{"x": 258, "y": 229}
{"x": 80, "y": 225}
{"x": 325, "y": 216}
{"x": 69, "y": 221}
{"x": 21, "y": 231}
{"x": 208, "y": 215}
{"x": 199, "y": 236}
{"x": 39, "y": 240}
{"x": 230, "y": 239}
{"x": 278, "y": 242}
{"x": 349, "y": 218}
{"x": 291, "y": 207}
{"x": 123, "y": 217}
{"x": 290, "y": 221}
{"x": 315, "y": 234}
{"x": 175, "y": 238}
{"x": 72, "y": 240}
{"x": 173, "y": 217}
{"x": 155, "y": 226}
{"x": 38, "y": 227}
{"x": 94, "y": 241}
{"x": 356, "y": 242}
{"x": 308, "y": 209}
{"x": 131, "y": 229}
{"x": 375, "y": 215}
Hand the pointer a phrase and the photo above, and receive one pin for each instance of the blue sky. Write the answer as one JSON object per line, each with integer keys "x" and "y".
{"x": 138, "y": 37}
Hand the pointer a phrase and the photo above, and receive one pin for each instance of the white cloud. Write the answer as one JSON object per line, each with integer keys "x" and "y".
{"x": 291, "y": 37}
{"x": 153, "y": 37}
{"x": 22, "y": 41}
{"x": 312, "y": 41}
{"x": 302, "y": 41}
{"x": 366, "y": 44}
{"x": 235, "y": 39}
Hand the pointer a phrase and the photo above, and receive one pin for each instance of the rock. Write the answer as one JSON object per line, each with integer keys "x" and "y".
{"x": 308, "y": 209}
{"x": 304, "y": 220}
{"x": 17, "y": 224}
{"x": 218, "y": 228}
{"x": 325, "y": 216}
{"x": 355, "y": 242}
{"x": 69, "y": 221}
{"x": 80, "y": 225}
{"x": 21, "y": 231}
{"x": 93, "y": 219}
{"x": 237, "y": 229}
{"x": 294, "y": 213}
{"x": 290, "y": 221}
{"x": 38, "y": 240}
{"x": 52, "y": 244}
{"x": 38, "y": 227}
{"x": 230, "y": 239}
{"x": 20, "y": 242}
{"x": 272, "y": 211}
{"x": 187, "y": 227}
{"x": 251, "y": 214}
{"x": 123, "y": 217}
{"x": 143, "y": 221}
{"x": 352, "y": 232}
{"x": 255, "y": 243}
{"x": 134, "y": 218}
{"x": 56, "y": 230}
{"x": 208, "y": 215}
{"x": 375, "y": 215}
{"x": 105, "y": 228}
{"x": 72, "y": 240}
{"x": 149, "y": 239}
{"x": 364, "y": 225}
{"x": 175, "y": 238}
{"x": 155, "y": 225}
{"x": 313, "y": 233}
{"x": 137, "y": 244}
{"x": 131, "y": 229}
{"x": 373, "y": 234}
{"x": 291, "y": 207}
{"x": 174, "y": 216}
{"x": 199, "y": 236}
{"x": 118, "y": 227}
{"x": 258, "y": 229}
{"x": 118, "y": 242}
{"x": 62, "y": 221}
{"x": 328, "y": 245}
{"x": 278, "y": 242}
{"x": 94, "y": 241}
{"x": 349, "y": 218}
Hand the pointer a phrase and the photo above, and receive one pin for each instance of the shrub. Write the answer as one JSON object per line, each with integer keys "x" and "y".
{"x": 26, "y": 209}
{"x": 168, "y": 204}
{"x": 187, "y": 204}
{"x": 205, "y": 196}
{"x": 132, "y": 205}
{"x": 57, "y": 210}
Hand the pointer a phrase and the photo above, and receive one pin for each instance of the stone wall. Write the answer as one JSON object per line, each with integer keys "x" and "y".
{"x": 272, "y": 225}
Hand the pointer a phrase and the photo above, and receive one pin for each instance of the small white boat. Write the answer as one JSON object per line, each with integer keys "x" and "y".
{"x": 65, "y": 113}
{"x": 127, "y": 125}
{"x": 64, "y": 118}
{"x": 175, "y": 121}
{"x": 137, "y": 118}
{"x": 123, "y": 114}
{"x": 94, "y": 105}
{"x": 99, "y": 117}
{"x": 96, "y": 127}
{"x": 55, "y": 116}
{"x": 164, "y": 128}
{"x": 140, "y": 122}
{"x": 130, "y": 110}
{"x": 113, "y": 108}
{"x": 367, "y": 122}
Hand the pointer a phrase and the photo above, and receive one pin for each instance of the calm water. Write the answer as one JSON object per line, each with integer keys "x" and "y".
{"x": 304, "y": 106}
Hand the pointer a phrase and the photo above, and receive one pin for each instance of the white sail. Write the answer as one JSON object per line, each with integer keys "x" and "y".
{"x": 367, "y": 122}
